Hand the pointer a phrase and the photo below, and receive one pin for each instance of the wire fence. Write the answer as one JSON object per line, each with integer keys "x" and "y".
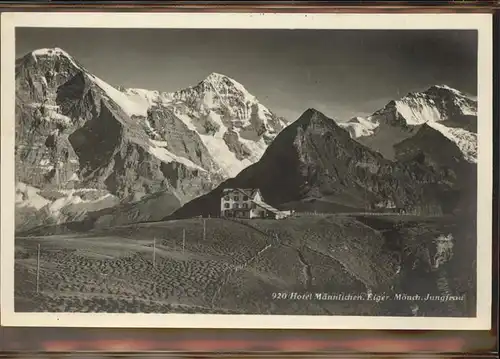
{"x": 389, "y": 212}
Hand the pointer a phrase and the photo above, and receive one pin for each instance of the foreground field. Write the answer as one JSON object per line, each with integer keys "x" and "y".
{"x": 226, "y": 266}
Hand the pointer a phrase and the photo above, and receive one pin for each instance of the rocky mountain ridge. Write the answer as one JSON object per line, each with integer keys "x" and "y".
{"x": 444, "y": 109}
{"x": 314, "y": 164}
{"x": 144, "y": 154}
{"x": 74, "y": 130}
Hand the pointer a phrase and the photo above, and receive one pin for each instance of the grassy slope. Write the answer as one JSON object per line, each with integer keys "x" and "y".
{"x": 234, "y": 270}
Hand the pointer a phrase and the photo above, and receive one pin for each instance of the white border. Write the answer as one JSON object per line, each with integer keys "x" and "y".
{"x": 480, "y": 22}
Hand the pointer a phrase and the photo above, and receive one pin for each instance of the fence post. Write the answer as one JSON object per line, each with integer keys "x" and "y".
{"x": 38, "y": 269}
{"x": 154, "y": 251}
{"x": 183, "y": 239}
{"x": 204, "y": 228}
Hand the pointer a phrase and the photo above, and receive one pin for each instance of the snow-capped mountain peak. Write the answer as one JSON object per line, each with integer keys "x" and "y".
{"x": 52, "y": 53}
{"x": 436, "y": 104}
{"x": 232, "y": 125}
{"x": 57, "y": 56}
{"x": 223, "y": 83}
{"x": 453, "y": 112}
{"x": 55, "y": 51}
{"x": 183, "y": 142}
{"x": 235, "y": 127}
{"x": 445, "y": 89}
{"x": 218, "y": 77}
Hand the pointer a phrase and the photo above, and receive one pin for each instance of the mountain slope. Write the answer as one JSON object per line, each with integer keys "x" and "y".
{"x": 447, "y": 110}
{"x": 75, "y": 130}
{"x": 233, "y": 125}
{"x": 314, "y": 164}
{"x": 232, "y": 266}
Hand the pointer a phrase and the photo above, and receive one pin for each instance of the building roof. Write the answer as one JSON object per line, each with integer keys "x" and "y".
{"x": 250, "y": 192}
{"x": 266, "y": 206}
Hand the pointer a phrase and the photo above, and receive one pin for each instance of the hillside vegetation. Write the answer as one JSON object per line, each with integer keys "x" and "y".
{"x": 237, "y": 266}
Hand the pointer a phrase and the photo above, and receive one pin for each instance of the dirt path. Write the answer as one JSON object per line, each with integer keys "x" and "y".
{"x": 236, "y": 269}
{"x": 306, "y": 270}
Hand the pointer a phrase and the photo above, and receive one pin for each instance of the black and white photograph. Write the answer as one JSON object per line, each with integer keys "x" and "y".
{"x": 263, "y": 173}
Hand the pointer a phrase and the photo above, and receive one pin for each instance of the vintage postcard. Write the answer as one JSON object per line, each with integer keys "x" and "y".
{"x": 220, "y": 170}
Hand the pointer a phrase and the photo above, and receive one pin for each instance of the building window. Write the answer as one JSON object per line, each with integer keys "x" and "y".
{"x": 236, "y": 198}
{"x": 254, "y": 206}
{"x": 226, "y": 205}
{"x": 235, "y": 205}
{"x": 226, "y": 198}
{"x": 245, "y": 198}
{"x": 245, "y": 205}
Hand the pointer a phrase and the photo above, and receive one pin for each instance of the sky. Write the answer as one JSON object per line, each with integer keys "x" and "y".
{"x": 343, "y": 73}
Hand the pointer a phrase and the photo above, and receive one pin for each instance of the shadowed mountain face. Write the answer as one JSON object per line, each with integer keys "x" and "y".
{"x": 315, "y": 164}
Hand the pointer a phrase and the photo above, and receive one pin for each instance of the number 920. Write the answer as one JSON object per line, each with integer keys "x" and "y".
{"x": 279, "y": 295}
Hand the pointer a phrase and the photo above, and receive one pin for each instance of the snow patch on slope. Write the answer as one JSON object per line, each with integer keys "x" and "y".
{"x": 146, "y": 98}
{"x": 418, "y": 112}
{"x": 359, "y": 126}
{"x": 57, "y": 118}
{"x": 159, "y": 143}
{"x": 257, "y": 148}
{"x": 68, "y": 203}
{"x": 29, "y": 197}
{"x": 220, "y": 152}
{"x": 444, "y": 249}
{"x": 188, "y": 121}
{"x": 466, "y": 141}
{"x": 130, "y": 106}
{"x": 159, "y": 151}
{"x": 217, "y": 147}
{"x": 73, "y": 204}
